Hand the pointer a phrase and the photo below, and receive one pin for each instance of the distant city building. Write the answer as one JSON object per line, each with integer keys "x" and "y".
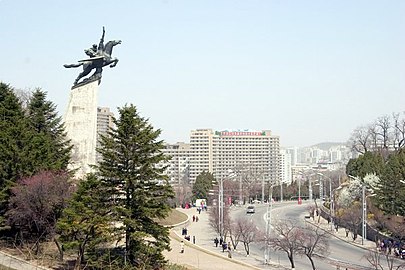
{"x": 178, "y": 164}
{"x": 230, "y": 151}
{"x": 285, "y": 164}
{"x": 293, "y": 152}
{"x": 334, "y": 155}
{"x": 104, "y": 124}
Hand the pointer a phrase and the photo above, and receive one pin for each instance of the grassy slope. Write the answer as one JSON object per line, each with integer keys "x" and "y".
{"x": 173, "y": 218}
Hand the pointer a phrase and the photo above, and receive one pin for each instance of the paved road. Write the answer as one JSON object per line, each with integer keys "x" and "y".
{"x": 204, "y": 255}
{"x": 344, "y": 252}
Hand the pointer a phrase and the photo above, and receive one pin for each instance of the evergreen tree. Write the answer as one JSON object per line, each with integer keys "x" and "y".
{"x": 50, "y": 148}
{"x": 137, "y": 186}
{"x": 390, "y": 191}
{"x": 86, "y": 222}
{"x": 368, "y": 163}
{"x": 202, "y": 185}
{"x": 14, "y": 138}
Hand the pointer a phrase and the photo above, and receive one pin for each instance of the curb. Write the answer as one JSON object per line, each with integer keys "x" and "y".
{"x": 24, "y": 261}
{"x": 338, "y": 237}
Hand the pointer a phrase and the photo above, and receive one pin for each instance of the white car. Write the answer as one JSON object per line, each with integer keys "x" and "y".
{"x": 250, "y": 209}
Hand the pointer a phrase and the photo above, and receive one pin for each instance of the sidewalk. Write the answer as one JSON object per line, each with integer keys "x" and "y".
{"x": 341, "y": 233}
{"x": 203, "y": 254}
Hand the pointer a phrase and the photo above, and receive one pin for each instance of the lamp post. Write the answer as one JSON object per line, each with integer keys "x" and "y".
{"x": 268, "y": 226}
{"x": 331, "y": 202}
{"x": 263, "y": 189}
{"x": 240, "y": 190}
{"x": 364, "y": 209}
{"x": 309, "y": 184}
{"x": 221, "y": 206}
{"x": 299, "y": 190}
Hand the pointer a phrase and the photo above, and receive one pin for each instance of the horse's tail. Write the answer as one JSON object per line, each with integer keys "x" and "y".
{"x": 73, "y": 65}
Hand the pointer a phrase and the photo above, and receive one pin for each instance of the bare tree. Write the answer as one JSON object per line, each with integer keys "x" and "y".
{"x": 399, "y": 131}
{"x": 352, "y": 218}
{"x": 234, "y": 233}
{"x": 360, "y": 139}
{"x": 385, "y": 134}
{"x": 377, "y": 259}
{"x": 24, "y": 95}
{"x": 287, "y": 239}
{"x": 214, "y": 219}
{"x": 183, "y": 193}
{"x": 248, "y": 233}
{"x": 314, "y": 241}
{"x": 36, "y": 204}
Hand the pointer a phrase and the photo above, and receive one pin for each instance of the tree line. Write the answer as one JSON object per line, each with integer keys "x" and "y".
{"x": 107, "y": 218}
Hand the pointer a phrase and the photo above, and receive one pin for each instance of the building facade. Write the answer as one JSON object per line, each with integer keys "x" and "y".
{"x": 285, "y": 165}
{"x": 104, "y": 124}
{"x": 232, "y": 151}
{"x": 178, "y": 163}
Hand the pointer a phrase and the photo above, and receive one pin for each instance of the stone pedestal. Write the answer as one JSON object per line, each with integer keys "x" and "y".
{"x": 81, "y": 126}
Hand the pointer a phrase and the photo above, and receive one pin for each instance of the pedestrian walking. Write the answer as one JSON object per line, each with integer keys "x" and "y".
{"x": 224, "y": 246}
{"x": 182, "y": 247}
{"x": 193, "y": 218}
{"x": 216, "y": 241}
{"x": 196, "y": 219}
{"x": 221, "y": 240}
{"x": 193, "y": 239}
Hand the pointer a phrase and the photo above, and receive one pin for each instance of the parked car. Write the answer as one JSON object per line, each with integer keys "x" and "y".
{"x": 250, "y": 209}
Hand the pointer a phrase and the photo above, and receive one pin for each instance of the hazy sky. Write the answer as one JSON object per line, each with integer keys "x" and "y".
{"x": 310, "y": 71}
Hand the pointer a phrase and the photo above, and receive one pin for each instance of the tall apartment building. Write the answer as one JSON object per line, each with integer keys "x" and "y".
{"x": 178, "y": 164}
{"x": 285, "y": 166}
{"x": 104, "y": 123}
{"x": 221, "y": 152}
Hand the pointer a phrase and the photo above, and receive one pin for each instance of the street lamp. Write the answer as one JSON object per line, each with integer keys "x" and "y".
{"x": 309, "y": 184}
{"x": 220, "y": 206}
{"x": 299, "y": 190}
{"x": 364, "y": 210}
{"x": 268, "y": 226}
{"x": 331, "y": 206}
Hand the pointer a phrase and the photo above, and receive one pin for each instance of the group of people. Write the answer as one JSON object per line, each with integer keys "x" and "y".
{"x": 187, "y": 237}
{"x": 391, "y": 247}
{"x": 225, "y": 246}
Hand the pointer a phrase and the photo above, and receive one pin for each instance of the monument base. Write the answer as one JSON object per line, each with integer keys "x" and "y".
{"x": 81, "y": 126}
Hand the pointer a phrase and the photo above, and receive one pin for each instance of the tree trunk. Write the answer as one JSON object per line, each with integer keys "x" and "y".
{"x": 290, "y": 257}
{"x": 60, "y": 249}
{"x": 312, "y": 261}
{"x": 79, "y": 259}
{"x": 246, "y": 248}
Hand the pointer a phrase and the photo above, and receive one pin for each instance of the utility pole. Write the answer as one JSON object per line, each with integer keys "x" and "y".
{"x": 240, "y": 190}
{"x": 364, "y": 224}
{"x": 263, "y": 189}
{"x": 268, "y": 227}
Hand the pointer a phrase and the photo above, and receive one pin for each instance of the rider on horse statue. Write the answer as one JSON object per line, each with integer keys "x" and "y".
{"x": 99, "y": 57}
